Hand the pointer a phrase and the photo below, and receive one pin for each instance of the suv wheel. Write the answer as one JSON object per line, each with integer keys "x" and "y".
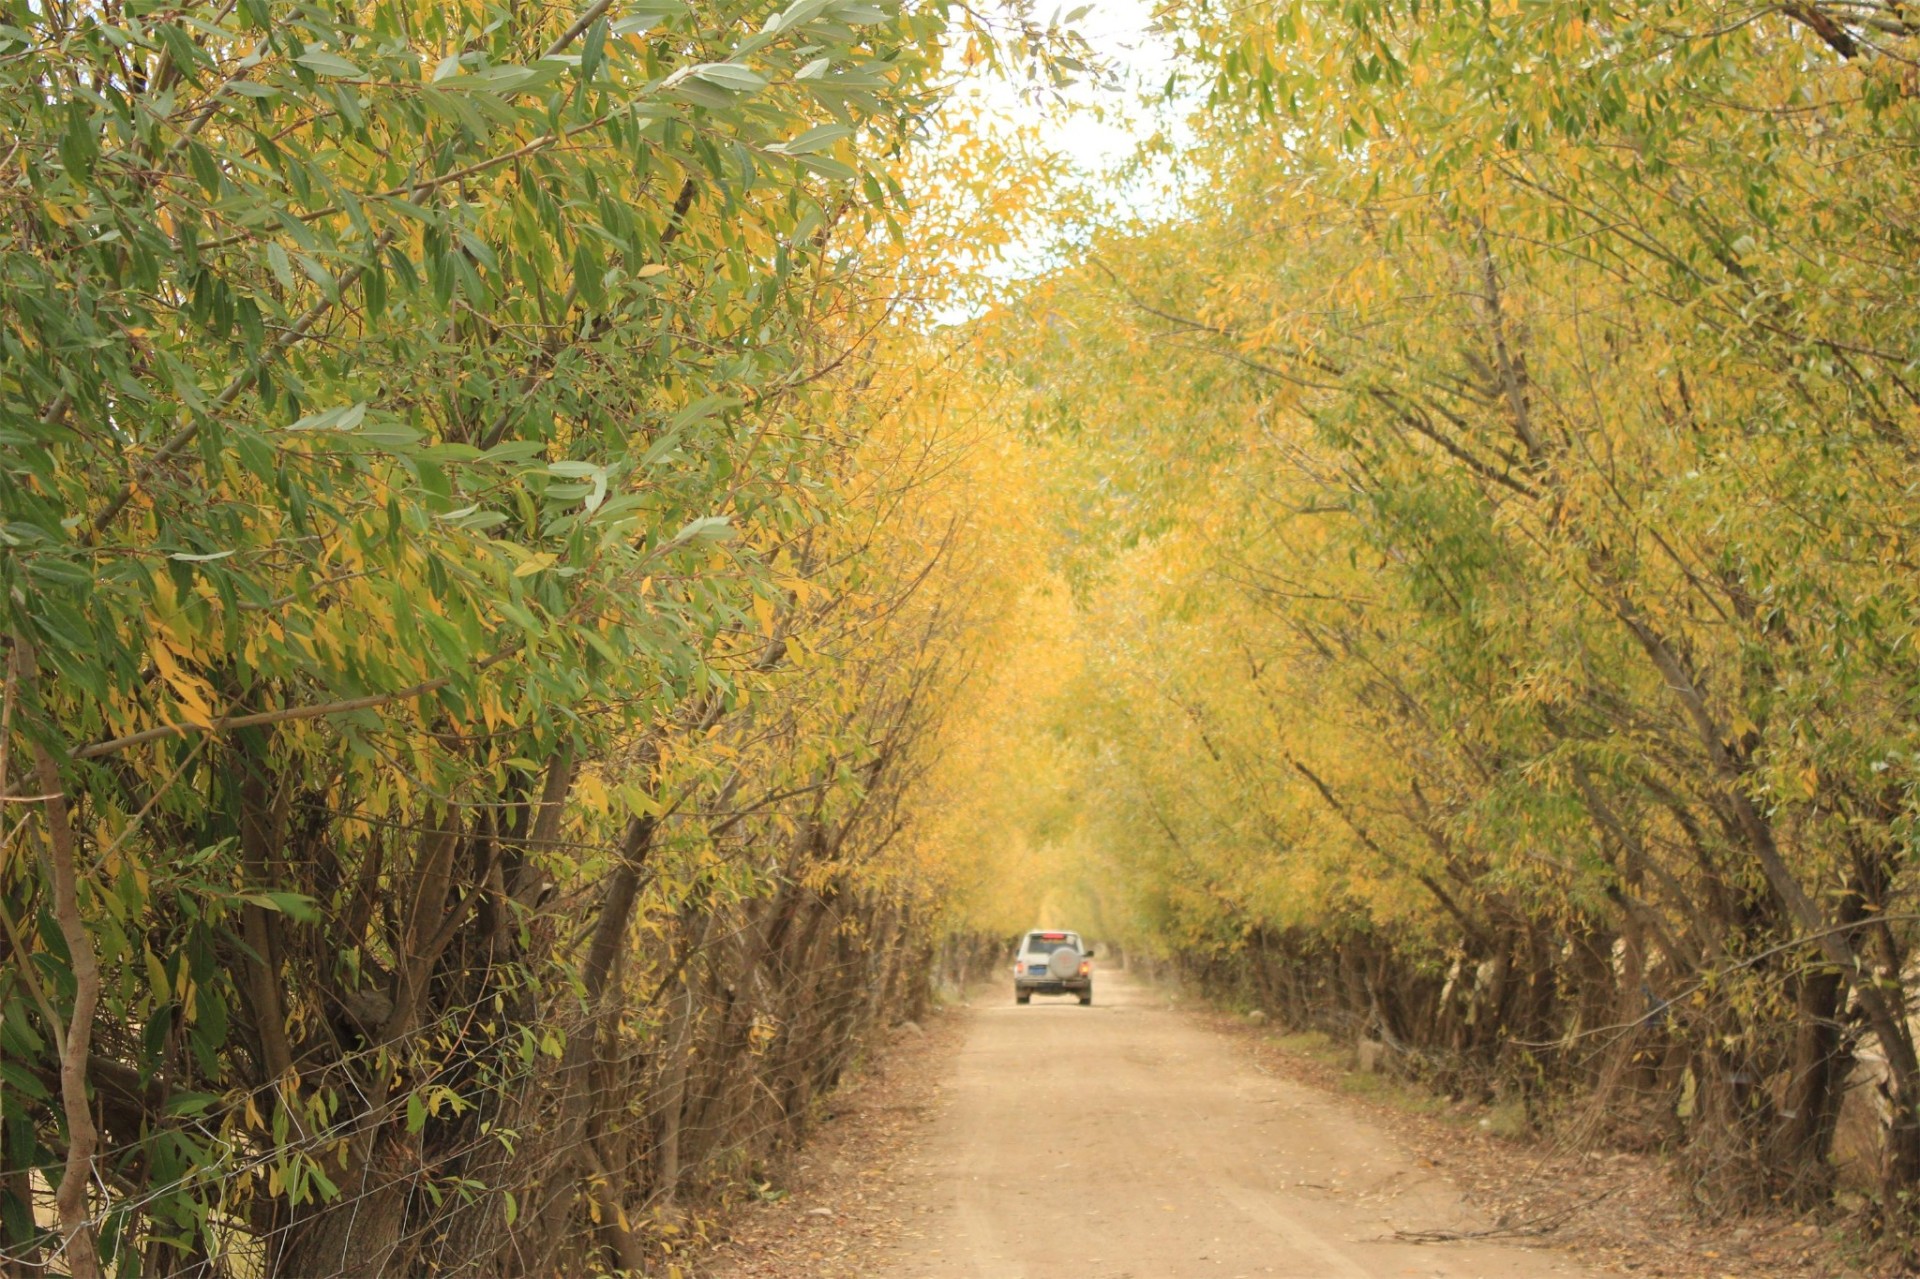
{"x": 1022, "y": 997}
{"x": 1086, "y": 998}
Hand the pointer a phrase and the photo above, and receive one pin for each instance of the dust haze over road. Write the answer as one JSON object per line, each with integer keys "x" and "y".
{"x": 1125, "y": 1141}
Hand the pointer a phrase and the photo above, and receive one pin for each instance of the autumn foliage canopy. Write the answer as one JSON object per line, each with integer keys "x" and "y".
{"x": 546, "y": 594}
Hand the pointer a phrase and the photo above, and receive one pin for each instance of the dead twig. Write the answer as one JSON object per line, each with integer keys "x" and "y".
{"x": 1515, "y": 1230}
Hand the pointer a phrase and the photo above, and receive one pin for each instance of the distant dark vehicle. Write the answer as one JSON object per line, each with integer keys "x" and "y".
{"x": 1052, "y": 963}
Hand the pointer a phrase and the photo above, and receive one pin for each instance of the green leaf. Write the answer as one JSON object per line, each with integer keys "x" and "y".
{"x": 815, "y": 139}
{"x": 594, "y": 51}
{"x": 342, "y": 418}
{"x": 296, "y": 906}
{"x": 317, "y": 273}
{"x": 52, "y": 569}
{"x": 505, "y": 78}
{"x": 191, "y": 1103}
{"x": 860, "y": 15}
{"x": 281, "y": 264}
{"x": 828, "y": 167}
{"x": 323, "y": 63}
{"x": 645, "y": 15}
{"x": 700, "y": 410}
{"x": 20, "y": 1078}
{"x": 798, "y": 14}
{"x": 702, "y": 94}
{"x": 730, "y": 75}
{"x": 615, "y": 507}
{"x": 515, "y": 451}
{"x": 708, "y": 528}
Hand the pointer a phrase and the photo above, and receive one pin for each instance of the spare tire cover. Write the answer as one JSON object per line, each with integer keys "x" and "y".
{"x": 1063, "y": 963}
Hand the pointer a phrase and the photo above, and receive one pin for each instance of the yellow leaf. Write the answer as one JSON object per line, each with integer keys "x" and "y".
{"x": 189, "y": 690}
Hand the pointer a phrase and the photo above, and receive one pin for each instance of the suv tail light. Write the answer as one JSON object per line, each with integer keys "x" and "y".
{"x": 1085, "y": 967}
{"x": 1019, "y": 967}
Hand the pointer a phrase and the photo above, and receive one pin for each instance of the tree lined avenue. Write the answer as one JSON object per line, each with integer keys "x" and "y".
{"x": 558, "y": 566}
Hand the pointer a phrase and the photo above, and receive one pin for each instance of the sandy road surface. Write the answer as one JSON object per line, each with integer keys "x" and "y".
{"x": 1165, "y": 1155}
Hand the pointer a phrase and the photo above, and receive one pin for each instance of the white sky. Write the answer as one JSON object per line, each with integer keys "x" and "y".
{"x": 1094, "y": 128}
{"x": 1121, "y": 32}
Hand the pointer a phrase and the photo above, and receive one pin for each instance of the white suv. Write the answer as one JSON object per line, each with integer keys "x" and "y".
{"x": 1052, "y": 963}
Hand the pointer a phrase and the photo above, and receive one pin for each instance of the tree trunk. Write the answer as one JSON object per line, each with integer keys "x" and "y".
{"x": 70, "y": 1195}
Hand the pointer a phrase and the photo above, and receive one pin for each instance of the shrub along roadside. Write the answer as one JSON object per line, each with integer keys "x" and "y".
{"x": 1492, "y": 613}
{"x": 470, "y": 616}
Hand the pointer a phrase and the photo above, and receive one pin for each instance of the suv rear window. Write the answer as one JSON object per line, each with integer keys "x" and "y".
{"x": 1047, "y": 943}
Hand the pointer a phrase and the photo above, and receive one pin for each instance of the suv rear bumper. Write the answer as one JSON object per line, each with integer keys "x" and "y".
{"x": 1051, "y": 986}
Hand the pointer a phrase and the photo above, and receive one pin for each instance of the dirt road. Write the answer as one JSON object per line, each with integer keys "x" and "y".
{"x": 1125, "y": 1141}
